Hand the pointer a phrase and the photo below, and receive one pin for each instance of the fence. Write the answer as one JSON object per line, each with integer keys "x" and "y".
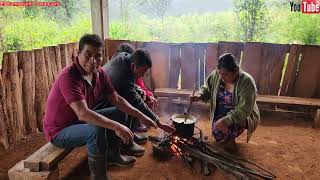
{"x": 27, "y": 76}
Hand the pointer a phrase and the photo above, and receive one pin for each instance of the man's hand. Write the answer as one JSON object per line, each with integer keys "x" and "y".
{"x": 220, "y": 125}
{"x": 124, "y": 133}
{"x": 195, "y": 98}
{"x": 147, "y": 121}
{"x": 166, "y": 128}
{"x": 152, "y": 102}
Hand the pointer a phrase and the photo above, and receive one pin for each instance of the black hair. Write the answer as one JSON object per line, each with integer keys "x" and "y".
{"x": 141, "y": 57}
{"x": 125, "y": 47}
{"x": 228, "y": 61}
{"x": 90, "y": 39}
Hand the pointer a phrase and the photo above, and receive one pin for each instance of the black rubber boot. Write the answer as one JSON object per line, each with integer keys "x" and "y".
{"x": 114, "y": 156}
{"x": 140, "y": 138}
{"x": 97, "y": 168}
{"x": 133, "y": 149}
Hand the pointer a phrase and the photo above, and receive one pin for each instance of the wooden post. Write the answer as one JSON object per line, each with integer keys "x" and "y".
{"x": 65, "y": 59}
{"x": 75, "y": 50}
{"x": 317, "y": 119}
{"x": 70, "y": 51}
{"x": 41, "y": 86}
{"x": 18, "y": 172}
{"x": 52, "y": 58}
{"x": 3, "y": 118}
{"x": 8, "y": 96}
{"x": 27, "y": 68}
{"x": 13, "y": 99}
{"x": 48, "y": 66}
{"x": 100, "y": 21}
{"x": 100, "y": 17}
{"x": 58, "y": 59}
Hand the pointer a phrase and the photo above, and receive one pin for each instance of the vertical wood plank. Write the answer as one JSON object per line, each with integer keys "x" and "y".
{"x": 231, "y": 47}
{"x": 8, "y": 96}
{"x": 27, "y": 66}
{"x": 200, "y": 55}
{"x": 65, "y": 59}
{"x": 70, "y": 52}
{"x": 48, "y": 66}
{"x": 16, "y": 99}
{"x": 272, "y": 59}
{"x": 174, "y": 66}
{"x": 211, "y": 58}
{"x": 41, "y": 86}
{"x": 75, "y": 51}
{"x": 189, "y": 66}
{"x": 159, "y": 53}
{"x": 112, "y": 46}
{"x": 291, "y": 70}
{"x": 251, "y": 61}
{"x": 3, "y": 117}
{"x": 308, "y": 72}
{"x": 52, "y": 60}
{"x": 58, "y": 59}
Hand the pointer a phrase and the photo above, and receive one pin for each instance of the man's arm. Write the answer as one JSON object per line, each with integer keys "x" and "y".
{"x": 129, "y": 93}
{"x": 85, "y": 114}
{"x": 125, "y": 106}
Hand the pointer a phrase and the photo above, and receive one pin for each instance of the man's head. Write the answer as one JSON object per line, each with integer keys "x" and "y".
{"x": 141, "y": 62}
{"x": 228, "y": 68}
{"x": 125, "y": 47}
{"x": 90, "y": 52}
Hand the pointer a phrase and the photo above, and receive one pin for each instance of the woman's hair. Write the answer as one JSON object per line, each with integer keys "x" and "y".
{"x": 228, "y": 61}
{"x": 141, "y": 57}
{"x": 125, "y": 47}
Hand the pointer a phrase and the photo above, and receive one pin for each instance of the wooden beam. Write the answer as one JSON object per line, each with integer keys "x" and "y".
{"x": 288, "y": 100}
{"x": 100, "y": 18}
{"x": 18, "y": 172}
{"x": 168, "y": 92}
{"x": 47, "y": 157}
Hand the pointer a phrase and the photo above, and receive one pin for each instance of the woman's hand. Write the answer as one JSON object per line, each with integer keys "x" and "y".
{"x": 220, "y": 125}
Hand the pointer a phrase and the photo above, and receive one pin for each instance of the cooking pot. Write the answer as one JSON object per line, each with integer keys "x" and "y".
{"x": 184, "y": 128}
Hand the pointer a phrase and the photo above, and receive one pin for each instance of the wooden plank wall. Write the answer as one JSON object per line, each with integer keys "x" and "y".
{"x": 27, "y": 76}
{"x": 307, "y": 80}
{"x": 264, "y": 62}
{"x": 25, "y": 81}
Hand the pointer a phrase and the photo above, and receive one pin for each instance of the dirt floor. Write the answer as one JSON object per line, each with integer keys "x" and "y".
{"x": 288, "y": 147}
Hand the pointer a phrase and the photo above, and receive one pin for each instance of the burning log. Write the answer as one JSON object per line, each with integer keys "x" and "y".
{"x": 191, "y": 149}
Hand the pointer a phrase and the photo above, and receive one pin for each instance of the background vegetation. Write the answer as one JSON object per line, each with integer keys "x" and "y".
{"x": 25, "y": 28}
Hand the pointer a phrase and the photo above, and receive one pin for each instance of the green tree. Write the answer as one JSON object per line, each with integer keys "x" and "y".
{"x": 154, "y": 8}
{"x": 65, "y": 12}
{"x": 252, "y": 15}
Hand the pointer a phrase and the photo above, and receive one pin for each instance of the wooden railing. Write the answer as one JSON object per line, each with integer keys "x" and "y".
{"x": 27, "y": 76}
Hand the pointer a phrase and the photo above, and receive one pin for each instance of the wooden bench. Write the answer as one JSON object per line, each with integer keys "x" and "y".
{"x": 41, "y": 165}
{"x": 183, "y": 93}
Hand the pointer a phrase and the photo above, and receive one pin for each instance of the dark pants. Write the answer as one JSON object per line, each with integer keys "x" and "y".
{"x": 97, "y": 139}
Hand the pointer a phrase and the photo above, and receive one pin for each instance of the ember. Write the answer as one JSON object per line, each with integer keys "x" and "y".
{"x": 196, "y": 148}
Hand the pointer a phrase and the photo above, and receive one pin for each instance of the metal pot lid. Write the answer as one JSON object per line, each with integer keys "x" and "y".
{"x": 180, "y": 118}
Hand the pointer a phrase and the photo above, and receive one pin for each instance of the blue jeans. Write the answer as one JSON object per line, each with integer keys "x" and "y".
{"x": 97, "y": 139}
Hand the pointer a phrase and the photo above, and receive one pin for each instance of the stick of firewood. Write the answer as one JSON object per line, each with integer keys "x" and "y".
{"x": 194, "y": 90}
